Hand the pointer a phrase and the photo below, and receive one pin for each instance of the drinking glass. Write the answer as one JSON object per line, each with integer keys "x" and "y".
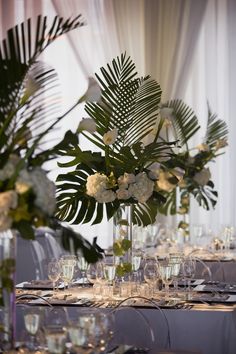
{"x": 189, "y": 268}
{"x": 136, "y": 262}
{"x": 92, "y": 273}
{"x": 32, "y": 319}
{"x": 151, "y": 274}
{"x": 83, "y": 266}
{"x": 67, "y": 263}
{"x": 54, "y": 272}
{"x": 110, "y": 272}
{"x": 166, "y": 276}
{"x": 55, "y": 339}
{"x": 175, "y": 260}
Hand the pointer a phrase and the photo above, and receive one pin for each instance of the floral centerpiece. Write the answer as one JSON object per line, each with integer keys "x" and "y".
{"x": 27, "y": 118}
{"x": 195, "y": 161}
{"x": 135, "y": 166}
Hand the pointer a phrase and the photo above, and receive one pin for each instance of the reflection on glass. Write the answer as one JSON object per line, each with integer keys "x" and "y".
{"x": 56, "y": 339}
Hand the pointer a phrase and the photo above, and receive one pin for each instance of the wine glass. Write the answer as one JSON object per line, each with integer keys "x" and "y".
{"x": 67, "y": 263}
{"x": 32, "y": 319}
{"x": 92, "y": 273}
{"x": 54, "y": 272}
{"x": 166, "y": 275}
{"x": 189, "y": 268}
{"x": 175, "y": 260}
{"x": 83, "y": 266}
{"x": 151, "y": 274}
{"x": 110, "y": 272}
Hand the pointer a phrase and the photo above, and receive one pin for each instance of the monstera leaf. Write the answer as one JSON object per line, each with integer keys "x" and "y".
{"x": 130, "y": 105}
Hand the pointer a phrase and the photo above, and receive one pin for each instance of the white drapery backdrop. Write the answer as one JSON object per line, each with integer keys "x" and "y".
{"x": 161, "y": 37}
{"x": 212, "y": 78}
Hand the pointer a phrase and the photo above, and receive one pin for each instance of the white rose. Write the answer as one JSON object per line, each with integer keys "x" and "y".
{"x": 8, "y": 200}
{"x": 164, "y": 181}
{"x": 202, "y": 177}
{"x": 110, "y": 137}
{"x": 203, "y": 147}
{"x": 129, "y": 178}
{"x": 121, "y": 183}
{"x": 93, "y": 93}
{"x": 87, "y": 124}
{"x": 142, "y": 189}
{"x": 123, "y": 194}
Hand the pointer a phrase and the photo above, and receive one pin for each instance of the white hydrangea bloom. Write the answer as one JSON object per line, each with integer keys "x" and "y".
{"x": 96, "y": 183}
{"x": 9, "y": 168}
{"x": 105, "y": 196}
{"x": 121, "y": 183}
{"x": 142, "y": 189}
{"x": 43, "y": 188}
{"x": 202, "y": 177}
{"x": 97, "y": 187}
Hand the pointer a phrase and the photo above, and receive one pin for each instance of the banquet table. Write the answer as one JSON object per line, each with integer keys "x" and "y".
{"x": 208, "y": 329}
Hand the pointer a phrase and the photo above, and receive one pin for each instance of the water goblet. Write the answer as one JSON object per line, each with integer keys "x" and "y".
{"x": 32, "y": 319}
{"x": 54, "y": 272}
{"x": 83, "y": 266}
{"x": 165, "y": 270}
{"x": 188, "y": 269}
{"x": 67, "y": 263}
{"x": 151, "y": 274}
{"x": 110, "y": 273}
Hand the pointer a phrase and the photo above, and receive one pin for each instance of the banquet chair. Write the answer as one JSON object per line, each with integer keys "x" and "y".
{"x": 132, "y": 325}
{"x": 30, "y": 261}
{"x": 48, "y": 240}
{"x": 210, "y": 270}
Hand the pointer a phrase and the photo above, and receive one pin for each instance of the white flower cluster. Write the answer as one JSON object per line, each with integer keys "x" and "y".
{"x": 43, "y": 188}
{"x": 8, "y": 200}
{"x": 202, "y": 177}
{"x": 142, "y": 188}
{"x": 9, "y": 168}
{"x": 97, "y": 187}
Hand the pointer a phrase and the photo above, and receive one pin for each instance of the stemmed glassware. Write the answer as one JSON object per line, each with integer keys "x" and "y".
{"x": 175, "y": 260}
{"x": 67, "y": 263}
{"x": 110, "y": 273}
{"x": 151, "y": 273}
{"x": 54, "y": 272}
{"x": 83, "y": 266}
{"x": 166, "y": 275}
{"x": 189, "y": 268}
{"x": 32, "y": 319}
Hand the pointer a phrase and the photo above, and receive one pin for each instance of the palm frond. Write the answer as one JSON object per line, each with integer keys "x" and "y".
{"x": 128, "y": 103}
{"x": 184, "y": 121}
{"x": 216, "y": 129}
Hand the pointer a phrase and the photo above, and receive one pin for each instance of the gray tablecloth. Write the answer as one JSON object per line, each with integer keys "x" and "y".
{"x": 206, "y": 331}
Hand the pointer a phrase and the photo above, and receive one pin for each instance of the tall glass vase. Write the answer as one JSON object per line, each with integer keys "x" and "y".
{"x": 7, "y": 289}
{"x": 122, "y": 239}
{"x": 184, "y": 212}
